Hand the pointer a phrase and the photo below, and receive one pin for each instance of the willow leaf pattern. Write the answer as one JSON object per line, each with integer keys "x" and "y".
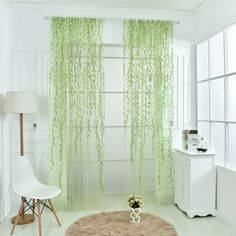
{"x": 76, "y": 98}
{"x": 148, "y": 96}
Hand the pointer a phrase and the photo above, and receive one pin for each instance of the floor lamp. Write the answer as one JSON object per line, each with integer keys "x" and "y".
{"x": 21, "y": 103}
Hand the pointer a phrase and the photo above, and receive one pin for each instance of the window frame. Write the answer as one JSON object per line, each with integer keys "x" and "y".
{"x": 225, "y": 78}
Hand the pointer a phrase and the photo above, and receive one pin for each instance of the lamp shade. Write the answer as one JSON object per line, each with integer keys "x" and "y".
{"x": 20, "y": 102}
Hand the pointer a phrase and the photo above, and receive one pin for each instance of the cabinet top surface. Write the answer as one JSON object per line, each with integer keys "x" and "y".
{"x": 194, "y": 153}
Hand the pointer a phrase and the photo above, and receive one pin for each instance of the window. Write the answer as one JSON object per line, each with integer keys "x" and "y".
{"x": 231, "y": 98}
{"x": 203, "y": 101}
{"x": 218, "y": 141}
{"x": 231, "y": 160}
{"x": 217, "y": 111}
{"x": 230, "y": 52}
{"x": 216, "y": 70}
{"x": 216, "y": 49}
{"x": 202, "y": 61}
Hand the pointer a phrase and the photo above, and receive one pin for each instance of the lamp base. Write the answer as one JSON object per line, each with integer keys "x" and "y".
{"x": 25, "y": 219}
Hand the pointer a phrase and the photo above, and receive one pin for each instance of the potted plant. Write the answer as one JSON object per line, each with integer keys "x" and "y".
{"x": 135, "y": 204}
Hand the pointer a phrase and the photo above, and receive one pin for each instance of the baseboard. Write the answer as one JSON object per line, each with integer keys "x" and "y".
{"x": 4, "y": 213}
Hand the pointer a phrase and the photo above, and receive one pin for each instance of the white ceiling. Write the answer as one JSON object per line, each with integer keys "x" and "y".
{"x": 174, "y": 5}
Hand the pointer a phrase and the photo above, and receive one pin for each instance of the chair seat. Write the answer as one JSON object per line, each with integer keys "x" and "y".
{"x": 26, "y": 185}
{"x": 39, "y": 191}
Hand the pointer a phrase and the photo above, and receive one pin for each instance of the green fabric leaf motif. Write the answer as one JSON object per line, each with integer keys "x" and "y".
{"x": 76, "y": 95}
{"x": 148, "y": 97}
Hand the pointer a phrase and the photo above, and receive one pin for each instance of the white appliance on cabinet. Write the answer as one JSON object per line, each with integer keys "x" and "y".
{"x": 195, "y": 182}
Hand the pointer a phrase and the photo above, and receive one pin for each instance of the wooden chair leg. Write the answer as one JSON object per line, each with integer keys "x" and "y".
{"x": 33, "y": 209}
{"x": 39, "y": 218}
{"x": 54, "y": 212}
{"x": 23, "y": 208}
{"x": 18, "y": 217}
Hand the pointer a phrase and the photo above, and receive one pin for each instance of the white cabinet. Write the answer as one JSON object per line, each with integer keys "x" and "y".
{"x": 195, "y": 182}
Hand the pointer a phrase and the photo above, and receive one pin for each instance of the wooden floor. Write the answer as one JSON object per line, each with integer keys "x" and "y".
{"x": 199, "y": 226}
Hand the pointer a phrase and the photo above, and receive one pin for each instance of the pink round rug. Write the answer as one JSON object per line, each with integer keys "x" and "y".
{"x": 117, "y": 223}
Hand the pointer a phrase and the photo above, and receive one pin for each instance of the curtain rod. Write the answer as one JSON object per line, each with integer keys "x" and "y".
{"x": 116, "y": 19}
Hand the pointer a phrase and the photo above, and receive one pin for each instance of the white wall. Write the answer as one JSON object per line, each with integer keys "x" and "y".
{"x": 29, "y": 33}
{"x": 226, "y": 195}
{"x": 214, "y": 16}
{"x": 183, "y": 31}
{"x": 4, "y": 83}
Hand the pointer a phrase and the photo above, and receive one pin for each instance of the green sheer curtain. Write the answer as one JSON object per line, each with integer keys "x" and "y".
{"x": 148, "y": 101}
{"x": 76, "y": 109}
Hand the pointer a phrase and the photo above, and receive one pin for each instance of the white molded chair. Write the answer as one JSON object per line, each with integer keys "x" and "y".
{"x": 26, "y": 185}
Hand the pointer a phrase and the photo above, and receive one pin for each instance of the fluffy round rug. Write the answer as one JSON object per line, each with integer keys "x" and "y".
{"x": 117, "y": 223}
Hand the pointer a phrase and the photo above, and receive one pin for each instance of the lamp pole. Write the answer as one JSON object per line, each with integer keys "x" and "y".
{"x": 21, "y": 135}
{"x": 24, "y": 218}
{"x": 21, "y": 103}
